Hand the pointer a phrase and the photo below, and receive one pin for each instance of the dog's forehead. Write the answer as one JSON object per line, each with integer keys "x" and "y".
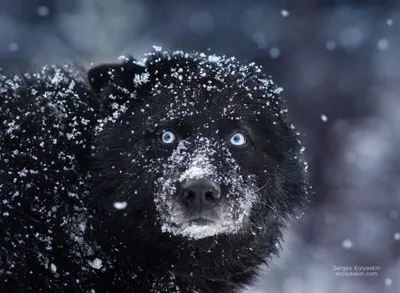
{"x": 211, "y": 121}
{"x": 219, "y": 86}
{"x": 200, "y": 79}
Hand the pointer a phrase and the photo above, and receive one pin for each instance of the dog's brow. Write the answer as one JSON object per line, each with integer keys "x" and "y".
{"x": 173, "y": 122}
{"x": 241, "y": 124}
{"x": 246, "y": 126}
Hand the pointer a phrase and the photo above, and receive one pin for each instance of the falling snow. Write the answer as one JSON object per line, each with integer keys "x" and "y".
{"x": 347, "y": 244}
{"x": 96, "y": 264}
{"x": 284, "y": 13}
{"x": 120, "y": 205}
{"x": 388, "y": 282}
{"x": 383, "y": 44}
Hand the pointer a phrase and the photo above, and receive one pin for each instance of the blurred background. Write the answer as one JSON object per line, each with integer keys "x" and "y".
{"x": 339, "y": 64}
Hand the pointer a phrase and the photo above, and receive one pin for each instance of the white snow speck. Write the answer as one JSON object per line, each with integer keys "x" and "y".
{"x": 42, "y": 11}
{"x": 389, "y": 22}
{"x": 195, "y": 172}
{"x": 96, "y": 263}
{"x": 157, "y": 48}
{"x": 324, "y": 118}
{"x": 347, "y": 244}
{"x": 140, "y": 79}
{"x": 120, "y": 205}
{"x": 214, "y": 58}
{"x": 396, "y": 236}
{"x": 53, "y": 268}
{"x": 284, "y": 13}
{"x": 383, "y": 44}
{"x": 274, "y": 52}
{"x": 388, "y": 282}
{"x": 330, "y": 45}
{"x": 13, "y": 47}
{"x": 123, "y": 58}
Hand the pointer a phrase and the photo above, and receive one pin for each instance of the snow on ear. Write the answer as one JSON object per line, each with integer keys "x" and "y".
{"x": 116, "y": 82}
{"x": 122, "y": 75}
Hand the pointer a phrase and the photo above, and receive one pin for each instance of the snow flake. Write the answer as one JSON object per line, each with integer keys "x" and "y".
{"x": 96, "y": 263}
{"x": 383, "y": 44}
{"x": 284, "y": 13}
{"x": 120, "y": 205}
{"x": 140, "y": 79}
{"x": 53, "y": 268}
{"x": 157, "y": 48}
{"x": 347, "y": 244}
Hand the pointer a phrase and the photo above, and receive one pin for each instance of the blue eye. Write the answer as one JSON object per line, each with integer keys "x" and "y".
{"x": 168, "y": 137}
{"x": 238, "y": 139}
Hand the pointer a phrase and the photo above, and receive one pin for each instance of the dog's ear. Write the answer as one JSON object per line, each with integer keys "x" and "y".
{"x": 103, "y": 75}
{"x": 116, "y": 82}
{"x": 114, "y": 74}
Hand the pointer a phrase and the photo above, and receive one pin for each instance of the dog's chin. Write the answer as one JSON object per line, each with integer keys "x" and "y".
{"x": 200, "y": 227}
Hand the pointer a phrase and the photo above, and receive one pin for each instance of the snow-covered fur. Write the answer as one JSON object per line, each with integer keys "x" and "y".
{"x": 174, "y": 173}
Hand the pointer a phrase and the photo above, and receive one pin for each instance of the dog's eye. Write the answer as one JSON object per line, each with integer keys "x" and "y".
{"x": 168, "y": 136}
{"x": 238, "y": 139}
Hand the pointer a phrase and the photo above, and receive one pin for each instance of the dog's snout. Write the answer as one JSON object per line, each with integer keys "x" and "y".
{"x": 201, "y": 193}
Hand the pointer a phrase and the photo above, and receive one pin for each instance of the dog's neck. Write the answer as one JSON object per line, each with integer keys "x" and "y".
{"x": 169, "y": 263}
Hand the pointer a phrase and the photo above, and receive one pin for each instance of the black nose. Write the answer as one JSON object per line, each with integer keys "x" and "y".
{"x": 201, "y": 193}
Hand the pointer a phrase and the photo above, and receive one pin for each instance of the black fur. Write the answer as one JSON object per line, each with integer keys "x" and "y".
{"x": 108, "y": 150}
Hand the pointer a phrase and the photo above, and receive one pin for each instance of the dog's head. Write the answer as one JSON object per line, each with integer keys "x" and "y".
{"x": 201, "y": 143}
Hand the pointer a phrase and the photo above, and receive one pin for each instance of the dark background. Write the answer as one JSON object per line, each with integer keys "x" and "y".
{"x": 338, "y": 60}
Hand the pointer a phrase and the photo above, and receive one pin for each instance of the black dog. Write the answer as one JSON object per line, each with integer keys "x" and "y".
{"x": 172, "y": 174}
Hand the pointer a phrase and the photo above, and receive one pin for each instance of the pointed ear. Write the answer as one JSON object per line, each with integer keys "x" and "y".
{"x": 116, "y": 83}
{"x": 114, "y": 75}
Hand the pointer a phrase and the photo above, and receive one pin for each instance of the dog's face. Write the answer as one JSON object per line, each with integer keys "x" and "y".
{"x": 198, "y": 142}
{"x": 205, "y": 186}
